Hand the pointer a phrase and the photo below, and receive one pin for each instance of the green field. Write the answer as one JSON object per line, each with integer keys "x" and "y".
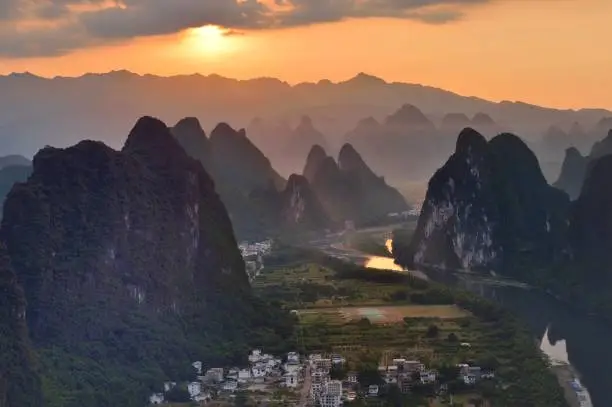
{"x": 370, "y": 316}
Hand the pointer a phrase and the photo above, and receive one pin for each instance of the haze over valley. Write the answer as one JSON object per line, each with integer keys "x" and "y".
{"x": 305, "y": 203}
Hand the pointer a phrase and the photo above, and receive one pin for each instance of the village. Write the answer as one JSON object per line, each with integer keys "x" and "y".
{"x": 253, "y": 255}
{"x": 312, "y": 380}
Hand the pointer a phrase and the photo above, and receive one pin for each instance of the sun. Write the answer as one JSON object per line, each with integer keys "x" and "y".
{"x": 211, "y": 40}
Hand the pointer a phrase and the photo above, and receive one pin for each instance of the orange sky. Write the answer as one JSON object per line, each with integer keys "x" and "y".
{"x": 548, "y": 52}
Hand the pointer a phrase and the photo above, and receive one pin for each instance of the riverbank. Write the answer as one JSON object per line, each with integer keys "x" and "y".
{"x": 566, "y": 375}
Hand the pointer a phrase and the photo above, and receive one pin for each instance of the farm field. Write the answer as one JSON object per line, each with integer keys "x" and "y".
{"x": 387, "y": 314}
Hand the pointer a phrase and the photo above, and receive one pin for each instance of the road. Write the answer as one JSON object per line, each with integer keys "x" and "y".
{"x": 305, "y": 392}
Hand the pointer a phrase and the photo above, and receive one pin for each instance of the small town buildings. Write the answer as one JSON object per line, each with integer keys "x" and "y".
{"x": 330, "y": 400}
{"x": 292, "y": 367}
{"x": 198, "y": 367}
{"x": 202, "y": 398}
{"x": 230, "y": 385}
{"x": 352, "y": 377}
{"x": 214, "y": 375}
{"x": 399, "y": 362}
{"x": 194, "y": 389}
{"x": 156, "y": 398}
{"x": 412, "y": 366}
{"x": 255, "y": 355}
{"x": 338, "y": 360}
{"x": 291, "y": 380}
{"x": 373, "y": 390}
{"x": 351, "y": 396}
{"x": 428, "y": 377}
{"x": 333, "y": 387}
{"x": 470, "y": 374}
{"x": 487, "y": 374}
{"x": 405, "y": 385}
{"x": 259, "y": 369}
{"x": 293, "y": 357}
{"x": 244, "y": 375}
{"x": 322, "y": 363}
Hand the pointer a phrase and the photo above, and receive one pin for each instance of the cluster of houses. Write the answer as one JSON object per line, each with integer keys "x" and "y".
{"x": 264, "y": 369}
{"x": 253, "y": 254}
{"x": 316, "y": 372}
{"x": 414, "y": 212}
{"x": 404, "y": 373}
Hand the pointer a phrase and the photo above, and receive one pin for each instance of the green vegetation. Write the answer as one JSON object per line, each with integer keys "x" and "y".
{"x": 137, "y": 275}
{"x": 317, "y": 289}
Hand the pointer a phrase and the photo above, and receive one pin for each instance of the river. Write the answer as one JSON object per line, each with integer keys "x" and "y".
{"x": 583, "y": 341}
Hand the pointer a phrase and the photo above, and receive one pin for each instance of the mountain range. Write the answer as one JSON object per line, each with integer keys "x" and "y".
{"x": 39, "y": 111}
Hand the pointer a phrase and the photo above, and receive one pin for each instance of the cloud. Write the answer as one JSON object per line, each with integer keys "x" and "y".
{"x": 66, "y": 25}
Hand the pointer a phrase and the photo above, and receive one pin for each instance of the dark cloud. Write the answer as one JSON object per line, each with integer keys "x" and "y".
{"x": 140, "y": 18}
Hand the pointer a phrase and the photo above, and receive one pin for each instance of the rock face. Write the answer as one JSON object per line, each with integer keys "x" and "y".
{"x": 349, "y": 189}
{"x": 238, "y": 168}
{"x": 192, "y": 138}
{"x": 300, "y": 207}
{"x": 591, "y": 223}
{"x": 19, "y": 383}
{"x": 302, "y": 138}
{"x": 10, "y": 175}
{"x": 376, "y": 197}
{"x": 315, "y": 158}
{"x": 574, "y": 166}
{"x": 572, "y": 172}
{"x": 490, "y": 208}
{"x": 238, "y": 162}
{"x": 125, "y": 257}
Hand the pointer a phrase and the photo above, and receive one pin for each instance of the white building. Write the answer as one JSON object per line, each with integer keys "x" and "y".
{"x": 293, "y": 357}
{"x": 230, "y": 385}
{"x": 333, "y": 387}
{"x": 244, "y": 375}
{"x": 255, "y": 355}
{"x": 373, "y": 390}
{"x": 291, "y": 380}
{"x": 194, "y": 389}
{"x": 259, "y": 369}
{"x": 198, "y": 367}
{"x": 330, "y": 400}
{"x": 156, "y": 398}
{"x": 351, "y": 377}
{"x": 338, "y": 360}
{"x": 428, "y": 377}
{"x": 202, "y": 397}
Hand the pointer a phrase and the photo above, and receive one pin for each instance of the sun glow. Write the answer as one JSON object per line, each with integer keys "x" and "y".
{"x": 212, "y": 40}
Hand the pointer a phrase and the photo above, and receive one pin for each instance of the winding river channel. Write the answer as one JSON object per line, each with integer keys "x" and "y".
{"x": 566, "y": 334}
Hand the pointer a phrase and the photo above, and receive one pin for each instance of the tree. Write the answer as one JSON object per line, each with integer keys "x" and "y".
{"x": 452, "y": 337}
{"x": 178, "y": 394}
{"x": 337, "y": 373}
{"x": 433, "y": 331}
{"x": 367, "y": 376}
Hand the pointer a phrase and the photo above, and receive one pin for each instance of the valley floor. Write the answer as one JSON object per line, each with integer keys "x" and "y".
{"x": 371, "y": 317}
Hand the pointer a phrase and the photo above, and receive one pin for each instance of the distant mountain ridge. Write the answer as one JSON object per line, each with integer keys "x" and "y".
{"x": 103, "y": 105}
{"x": 575, "y": 166}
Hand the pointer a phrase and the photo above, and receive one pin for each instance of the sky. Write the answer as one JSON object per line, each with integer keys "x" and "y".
{"x": 548, "y": 52}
